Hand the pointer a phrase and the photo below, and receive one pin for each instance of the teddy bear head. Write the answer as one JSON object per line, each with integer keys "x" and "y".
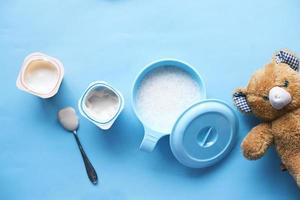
{"x": 273, "y": 90}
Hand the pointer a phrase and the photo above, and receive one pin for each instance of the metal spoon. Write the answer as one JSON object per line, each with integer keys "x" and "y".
{"x": 69, "y": 120}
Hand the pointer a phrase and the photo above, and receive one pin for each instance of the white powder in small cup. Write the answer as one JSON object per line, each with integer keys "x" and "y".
{"x": 164, "y": 94}
{"x": 102, "y": 104}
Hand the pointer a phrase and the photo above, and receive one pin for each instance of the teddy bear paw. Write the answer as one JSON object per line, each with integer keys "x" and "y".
{"x": 298, "y": 179}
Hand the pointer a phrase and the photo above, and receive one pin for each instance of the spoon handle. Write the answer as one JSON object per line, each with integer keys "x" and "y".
{"x": 88, "y": 165}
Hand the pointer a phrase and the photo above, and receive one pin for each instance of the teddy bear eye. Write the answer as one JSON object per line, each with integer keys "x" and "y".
{"x": 286, "y": 83}
{"x": 266, "y": 98}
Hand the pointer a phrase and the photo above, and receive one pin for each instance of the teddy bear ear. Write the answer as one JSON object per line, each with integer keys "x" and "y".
{"x": 240, "y": 101}
{"x": 287, "y": 57}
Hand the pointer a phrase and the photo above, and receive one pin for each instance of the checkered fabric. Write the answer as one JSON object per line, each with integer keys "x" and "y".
{"x": 240, "y": 101}
{"x": 288, "y": 58}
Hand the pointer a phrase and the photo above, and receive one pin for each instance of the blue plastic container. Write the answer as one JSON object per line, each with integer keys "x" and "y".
{"x": 151, "y": 136}
{"x": 202, "y": 135}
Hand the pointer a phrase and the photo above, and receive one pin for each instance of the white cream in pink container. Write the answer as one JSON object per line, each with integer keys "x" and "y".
{"x": 40, "y": 75}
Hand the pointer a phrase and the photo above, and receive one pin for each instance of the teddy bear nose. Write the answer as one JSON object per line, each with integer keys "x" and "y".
{"x": 279, "y": 97}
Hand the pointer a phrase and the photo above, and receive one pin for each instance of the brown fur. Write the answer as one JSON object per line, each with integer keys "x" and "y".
{"x": 280, "y": 127}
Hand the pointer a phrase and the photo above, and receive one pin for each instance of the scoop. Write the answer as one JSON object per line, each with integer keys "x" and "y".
{"x": 69, "y": 120}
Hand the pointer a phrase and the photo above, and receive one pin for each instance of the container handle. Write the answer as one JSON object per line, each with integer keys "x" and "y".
{"x": 150, "y": 140}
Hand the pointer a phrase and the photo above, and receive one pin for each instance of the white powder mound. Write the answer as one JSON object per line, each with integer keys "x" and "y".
{"x": 163, "y": 95}
{"x": 102, "y": 104}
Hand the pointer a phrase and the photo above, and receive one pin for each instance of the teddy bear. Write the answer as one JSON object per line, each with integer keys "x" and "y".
{"x": 273, "y": 95}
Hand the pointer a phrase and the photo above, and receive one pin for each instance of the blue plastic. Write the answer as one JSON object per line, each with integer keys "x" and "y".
{"x": 152, "y": 136}
{"x": 204, "y": 134}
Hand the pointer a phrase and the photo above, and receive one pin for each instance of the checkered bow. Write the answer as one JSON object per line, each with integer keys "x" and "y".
{"x": 240, "y": 100}
{"x": 284, "y": 56}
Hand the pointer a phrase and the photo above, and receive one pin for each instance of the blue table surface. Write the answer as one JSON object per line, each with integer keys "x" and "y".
{"x": 112, "y": 40}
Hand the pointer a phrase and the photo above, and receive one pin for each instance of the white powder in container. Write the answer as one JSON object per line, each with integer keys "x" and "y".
{"x": 164, "y": 94}
{"x": 102, "y": 104}
{"x": 41, "y": 76}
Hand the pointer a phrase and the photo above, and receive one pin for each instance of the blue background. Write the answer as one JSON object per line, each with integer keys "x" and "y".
{"x": 112, "y": 40}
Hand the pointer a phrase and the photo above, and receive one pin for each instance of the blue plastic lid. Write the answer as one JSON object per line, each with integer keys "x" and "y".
{"x": 204, "y": 134}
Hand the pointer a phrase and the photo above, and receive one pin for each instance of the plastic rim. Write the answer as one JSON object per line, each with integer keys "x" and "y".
{"x": 204, "y": 134}
{"x": 93, "y": 85}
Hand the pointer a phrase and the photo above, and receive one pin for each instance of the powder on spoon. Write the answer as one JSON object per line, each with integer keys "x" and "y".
{"x": 164, "y": 94}
{"x": 68, "y": 118}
